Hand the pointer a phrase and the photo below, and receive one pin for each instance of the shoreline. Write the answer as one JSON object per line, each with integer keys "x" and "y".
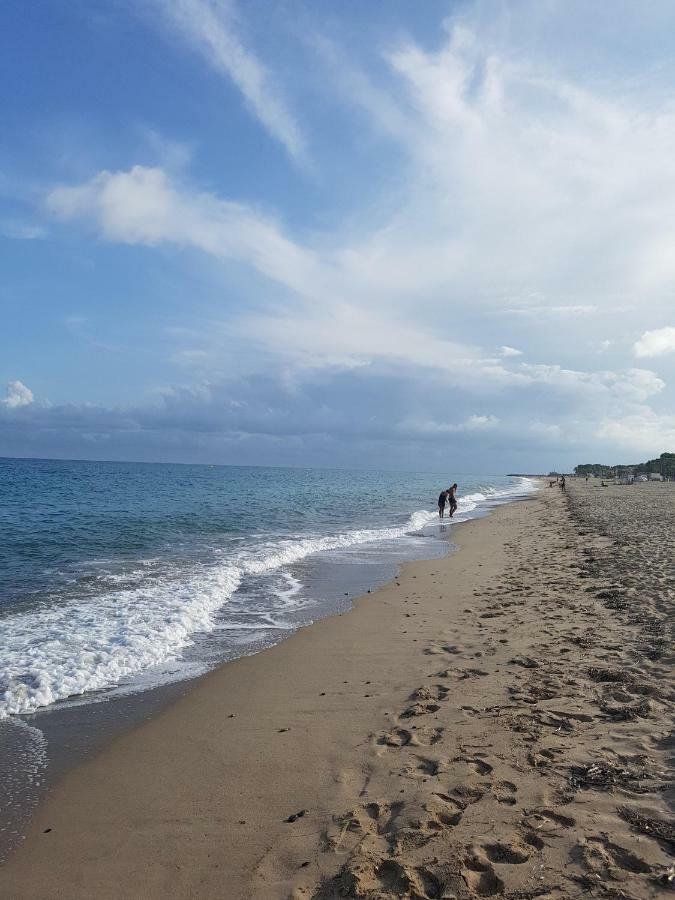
{"x": 70, "y": 733}
{"x": 347, "y": 717}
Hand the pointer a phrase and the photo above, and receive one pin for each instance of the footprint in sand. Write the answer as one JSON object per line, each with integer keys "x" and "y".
{"x": 525, "y": 661}
{"x": 473, "y": 673}
{"x": 508, "y": 854}
{"x": 349, "y": 830}
{"x": 547, "y": 820}
{"x": 431, "y": 767}
{"x": 479, "y": 875}
{"x": 542, "y": 757}
{"x": 467, "y": 794}
{"x": 429, "y": 736}
{"x": 533, "y": 839}
{"x": 478, "y": 765}
{"x": 365, "y": 876}
{"x": 433, "y": 692}
{"x": 436, "y": 649}
{"x": 397, "y": 737}
{"x": 419, "y": 709}
{"x": 503, "y": 792}
{"x": 401, "y": 737}
{"x": 600, "y": 855}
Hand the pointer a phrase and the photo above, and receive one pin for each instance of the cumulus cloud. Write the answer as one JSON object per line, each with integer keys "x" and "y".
{"x": 510, "y": 351}
{"x": 656, "y": 343}
{"x": 17, "y": 395}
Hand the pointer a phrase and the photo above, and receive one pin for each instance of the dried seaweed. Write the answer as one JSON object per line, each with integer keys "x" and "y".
{"x": 602, "y": 675}
{"x": 650, "y": 825}
{"x": 605, "y": 776}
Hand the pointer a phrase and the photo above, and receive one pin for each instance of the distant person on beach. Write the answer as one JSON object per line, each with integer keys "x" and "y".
{"x": 452, "y": 499}
{"x": 442, "y": 498}
{"x": 562, "y": 483}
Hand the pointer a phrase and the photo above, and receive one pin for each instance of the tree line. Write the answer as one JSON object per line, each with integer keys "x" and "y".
{"x": 662, "y": 465}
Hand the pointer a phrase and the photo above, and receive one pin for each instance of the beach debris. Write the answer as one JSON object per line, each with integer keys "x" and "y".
{"x": 626, "y": 712}
{"x": 602, "y": 674}
{"x": 666, "y": 878}
{"x": 295, "y": 816}
{"x": 659, "y": 829}
{"x": 605, "y": 776}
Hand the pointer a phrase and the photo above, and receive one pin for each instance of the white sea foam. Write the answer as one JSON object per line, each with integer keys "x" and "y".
{"x": 70, "y": 648}
{"x": 66, "y": 649}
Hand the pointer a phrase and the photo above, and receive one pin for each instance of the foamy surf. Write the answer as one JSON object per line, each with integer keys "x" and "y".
{"x": 68, "y": 648}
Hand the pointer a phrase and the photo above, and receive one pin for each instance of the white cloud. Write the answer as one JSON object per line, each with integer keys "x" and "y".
{"x": 144, "y": 206}
{"x": 480, "y": 423}
{"x": 644, "y": 432}
{"x": 553, "y": 311}
{"x": 430, "y": 428}
{"x": 656, "y": 343}
{"x": 547, "y": 430}
{"x": 206, "y": 26}
{"x": 629, "y": 386}
{"x": 518, "y": 190}
{"x": 17, "y": 395}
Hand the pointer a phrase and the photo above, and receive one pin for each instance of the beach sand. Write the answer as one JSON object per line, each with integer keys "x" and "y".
{"x": 496, "y": 722}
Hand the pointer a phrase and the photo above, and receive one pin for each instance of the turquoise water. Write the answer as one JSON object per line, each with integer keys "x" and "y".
{"x": 118, "y": 576}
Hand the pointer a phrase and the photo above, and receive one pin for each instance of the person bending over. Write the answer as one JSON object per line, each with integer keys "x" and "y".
{"x": 452, "y": 499}
{"x": 442, "y": 497}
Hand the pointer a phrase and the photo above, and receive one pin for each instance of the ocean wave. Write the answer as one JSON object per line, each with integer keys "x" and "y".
{"x": 72, "y": 648}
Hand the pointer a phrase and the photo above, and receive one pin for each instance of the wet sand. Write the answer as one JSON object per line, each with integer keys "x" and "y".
{"x": 495, "y": 723}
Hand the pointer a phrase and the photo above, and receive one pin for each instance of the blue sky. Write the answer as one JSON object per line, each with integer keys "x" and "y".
{"x": 385, "y": 235}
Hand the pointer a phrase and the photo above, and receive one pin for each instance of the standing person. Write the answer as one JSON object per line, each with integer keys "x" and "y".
{"x": 562, "y": 483}
{"x": 452, "y": 499}
{"x": 442, "y": 497}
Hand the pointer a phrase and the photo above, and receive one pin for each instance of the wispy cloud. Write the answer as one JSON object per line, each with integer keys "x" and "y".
{"x": 207, "y": 27}
{"x": 144, "y": 206}
{"x": 22, "y": 231}
{"x": 522, "y": 208}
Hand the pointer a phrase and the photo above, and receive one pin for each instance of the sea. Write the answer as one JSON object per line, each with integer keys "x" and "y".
{"x": 119, "y": 579}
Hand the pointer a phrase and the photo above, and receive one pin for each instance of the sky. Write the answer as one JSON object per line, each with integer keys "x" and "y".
{"x": 433, "y": 237}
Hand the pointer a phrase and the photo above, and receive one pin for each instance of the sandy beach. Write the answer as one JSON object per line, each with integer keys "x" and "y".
{"x": 494, "y": 723}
